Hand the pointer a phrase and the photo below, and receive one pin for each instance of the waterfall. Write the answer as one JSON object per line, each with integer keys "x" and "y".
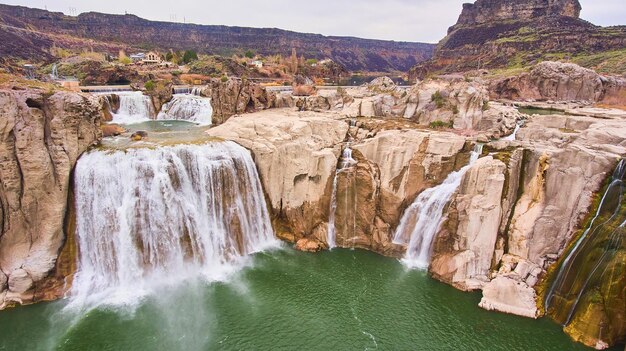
{"x": 148, "y": 218}
{"x": 188, "y": 90}
{"x": 346, "y": 161}
{"x": 135, "y": 107}
{"x": 424, "y": 217}
{"x": 513, "y": 136}
{"x": 586, "y": 262}
{"x": 188, "y": 107}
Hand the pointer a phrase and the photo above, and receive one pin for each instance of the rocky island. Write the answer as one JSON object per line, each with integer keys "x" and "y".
{"x": 502, "y": 180}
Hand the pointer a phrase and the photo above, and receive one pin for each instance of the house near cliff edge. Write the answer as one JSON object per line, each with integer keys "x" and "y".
{"x": 152, "y": 57}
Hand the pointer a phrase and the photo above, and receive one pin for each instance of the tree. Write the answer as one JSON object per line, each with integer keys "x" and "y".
{"x": 249, "y": 54}
{"x": 189, "y": 56}
{"x": 122, "y": 58}
{"x": 294, "y": 61}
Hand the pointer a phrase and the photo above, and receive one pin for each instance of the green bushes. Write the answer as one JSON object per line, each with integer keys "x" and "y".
{"x": 440, "y": 125}
{"x": 438, "y": 99}
{"x": 150, "y": 85}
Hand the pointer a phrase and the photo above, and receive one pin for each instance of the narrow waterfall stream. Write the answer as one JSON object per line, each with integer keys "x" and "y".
{"x": 422, "y": 220}
{"x": 591, "y": 269}
{"x": 188, "y": 107}
{"x": 346, "y": 161}
{"x": 135, "y": 107}
{"x": 151, "y": 217}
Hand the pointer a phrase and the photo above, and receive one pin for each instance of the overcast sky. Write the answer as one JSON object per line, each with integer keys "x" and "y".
{"x": 406, "y": 20}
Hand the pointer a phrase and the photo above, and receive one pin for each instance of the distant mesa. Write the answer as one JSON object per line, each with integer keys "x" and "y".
{"x": 512, "y": 34}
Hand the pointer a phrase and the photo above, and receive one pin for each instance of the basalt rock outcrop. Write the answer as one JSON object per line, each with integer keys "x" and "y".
{"x": 236, "y": 96}
{"x": 42, "y": 136}
{"x": 513, "y": 34}
{"x": 559, "y": 81}
{"x": 484, "y": 11}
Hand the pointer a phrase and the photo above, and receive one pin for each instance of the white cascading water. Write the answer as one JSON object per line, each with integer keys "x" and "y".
{"x": 135, "y": 107}
{"x": 513, "y": 136}
{"x": 188, "y": 107}
{"x": 149, "y": 218}
{"x": 345, "y": 162}
{"x": 422, "y": 220}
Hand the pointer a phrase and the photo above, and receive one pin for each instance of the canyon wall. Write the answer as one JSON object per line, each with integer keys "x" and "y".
{"x": 509, "y": 34}
{"x": 42, "y": 134}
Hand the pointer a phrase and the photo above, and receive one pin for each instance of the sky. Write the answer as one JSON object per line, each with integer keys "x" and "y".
{"x": 401, "y": 20}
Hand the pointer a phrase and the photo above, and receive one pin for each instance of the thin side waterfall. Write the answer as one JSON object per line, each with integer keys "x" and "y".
{"x": 188, "y": 107}
{"x": 346, "y": 161}
{"x": 148, "y": 218}
{"x": 422, "y": 220}
{"x": 513, "y": 136}
{"x": 585, "y": 264}
{"x": 135, "y": 107}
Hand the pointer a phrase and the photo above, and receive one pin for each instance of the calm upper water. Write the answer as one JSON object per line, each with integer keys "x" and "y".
{"x": 287, "y": 300}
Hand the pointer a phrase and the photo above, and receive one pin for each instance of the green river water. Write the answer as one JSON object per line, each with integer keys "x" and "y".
{"x": 288, "y": 300}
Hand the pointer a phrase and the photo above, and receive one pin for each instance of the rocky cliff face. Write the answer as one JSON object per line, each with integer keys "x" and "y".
{"x": 236, "y": 96}
{"x": 558, "y": 81}
{"x": 32, "y": 27}
{"x": 41, "y": 136}
{"x": 298, "y": 154}
{"x": 484, "y": 11}
{"x": 514, "y": 34}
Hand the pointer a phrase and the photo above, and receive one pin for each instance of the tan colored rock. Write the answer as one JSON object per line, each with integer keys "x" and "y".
{"x": 310, "y": 245}
{"x": 466, "y": 261}
{"x": 41, "y": 137}
{"x": 236, "y": 96}
{"x": 296, "y": 154}
{"x": 20, "y": 281}
{"x": 111, "y": 129}
{"x": 556, "y": 81}
{"x": 509, "y": 296}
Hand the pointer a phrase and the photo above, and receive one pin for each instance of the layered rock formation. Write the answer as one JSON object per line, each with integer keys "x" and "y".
{"x": 558, "y": 81}
{"x": 514, "y": 34}
{"x": 42, "y": 136}
{"x": 484, "y": 11}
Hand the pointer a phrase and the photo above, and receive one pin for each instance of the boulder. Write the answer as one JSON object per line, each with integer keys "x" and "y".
{"x": 111, "y": 129}
{"x": 310, "y": 245}
{"x": 509, "y": 296}
{"x": 139, "y": 135}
